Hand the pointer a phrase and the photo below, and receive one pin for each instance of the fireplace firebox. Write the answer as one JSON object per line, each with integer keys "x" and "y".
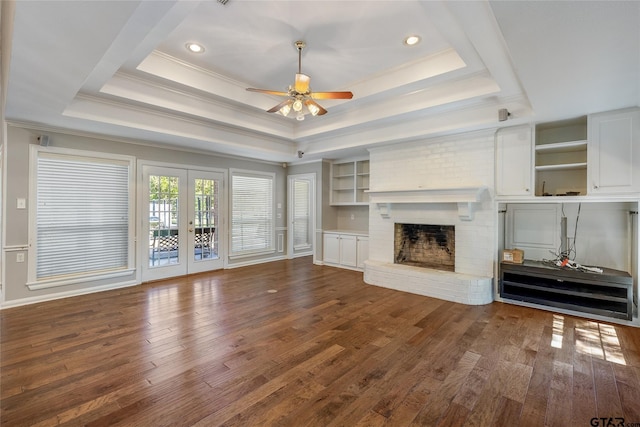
{"x": 425, "y": 245}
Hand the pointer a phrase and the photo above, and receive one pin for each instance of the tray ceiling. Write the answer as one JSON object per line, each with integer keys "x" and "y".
{"x": 122, "y": 69}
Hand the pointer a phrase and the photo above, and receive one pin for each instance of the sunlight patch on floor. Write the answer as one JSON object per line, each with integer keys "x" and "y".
{"x": 558, "y": 327}
{"x": 600, "y": 341}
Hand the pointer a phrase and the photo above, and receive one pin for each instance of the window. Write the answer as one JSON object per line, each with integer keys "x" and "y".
{"x": 301, "y": 213}
{"x": 81, "y": 220}
{"x": 252, "y": 218}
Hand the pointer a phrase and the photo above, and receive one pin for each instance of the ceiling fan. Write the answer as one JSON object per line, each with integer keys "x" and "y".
{"x": 301, "y": 99}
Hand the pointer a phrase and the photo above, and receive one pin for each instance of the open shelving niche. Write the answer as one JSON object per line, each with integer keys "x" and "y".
{"x": 536, "y": 228}
{"x": 349, "y": 182}
{"x": 561, "y": 158}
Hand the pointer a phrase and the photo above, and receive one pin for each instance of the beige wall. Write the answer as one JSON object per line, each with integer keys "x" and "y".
{"x": 353, "y": 218}
{"x": 17, "y": 175}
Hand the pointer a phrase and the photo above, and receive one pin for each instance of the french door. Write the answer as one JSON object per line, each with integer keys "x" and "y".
{"x": 182, "y": 222}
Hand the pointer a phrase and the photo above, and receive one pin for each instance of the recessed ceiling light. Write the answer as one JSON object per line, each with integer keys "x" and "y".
{"x": 195, "y": 48}
{"x": 412, "y": 40}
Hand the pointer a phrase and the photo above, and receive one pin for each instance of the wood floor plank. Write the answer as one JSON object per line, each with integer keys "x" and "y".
{"x": 583, "y": 394}
{"x": 607, "y": 398}
{"x": 444, "y": 395}
{"x": 534, "y": 409}
{"x": 455, "y": 416}
{"x": 628, "y": 385}
{"x": 560, "y": 404}
{"x": 326, "y": 349}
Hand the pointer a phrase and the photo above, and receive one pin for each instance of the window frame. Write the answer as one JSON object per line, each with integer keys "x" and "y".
{"x": 33, "y": 283}
{"x": 256, "y": 174}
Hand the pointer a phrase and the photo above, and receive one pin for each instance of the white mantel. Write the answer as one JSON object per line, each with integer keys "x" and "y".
{"x": 464, "y": 197}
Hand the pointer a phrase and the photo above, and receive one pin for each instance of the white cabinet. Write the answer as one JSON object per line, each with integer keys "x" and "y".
{"x": 614, "y": 152}
{"x": 363, "y": 251}
{"x": 348, "y": 250}
{"x": 514, "y": 161}
{"x": 596, "y": 155}
{"x": 349, "y": 182}
{"x": 331, "y": 248}
{"x": 345, "y": 250}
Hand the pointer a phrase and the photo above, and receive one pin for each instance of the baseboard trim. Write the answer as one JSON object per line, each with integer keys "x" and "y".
{"x": 255, "y": 262}
{"x": 66, "y": 294}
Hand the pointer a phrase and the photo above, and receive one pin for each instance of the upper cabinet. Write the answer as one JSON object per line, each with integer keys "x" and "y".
{"x": 596, "y": 155}
{"x": 561, "y": 158}
{"x": 514, "y": 161}
{"x": 349, "y": 182}
{"x": 614, "y": 152}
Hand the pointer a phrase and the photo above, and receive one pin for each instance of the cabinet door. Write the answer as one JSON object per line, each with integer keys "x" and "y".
{"x": 363, "y": 251}
{"x": 331, "y": 249}
{"x": 348, "y": 251}
{"x": 614, "y": 152}
{"x": 514, "y": 161}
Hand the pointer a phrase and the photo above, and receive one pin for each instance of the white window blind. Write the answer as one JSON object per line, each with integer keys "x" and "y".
{"x": 301, "y": 212}
{"x": 252, "y": 223}
{"x": 82, "y": 215}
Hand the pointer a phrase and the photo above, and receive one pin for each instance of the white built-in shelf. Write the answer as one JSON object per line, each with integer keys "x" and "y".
{"x": 349, "y": 181}
{"x": 563, "y": 166}
{"x": 561, "y": 157}
{"x": 562, "y": 147}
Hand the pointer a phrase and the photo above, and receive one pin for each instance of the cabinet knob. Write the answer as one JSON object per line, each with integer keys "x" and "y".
{"x": 595, "y": 187}
{"x": 526, "y": 189}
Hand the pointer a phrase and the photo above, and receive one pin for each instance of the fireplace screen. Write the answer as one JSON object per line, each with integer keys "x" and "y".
{"x": 430, "y": 246}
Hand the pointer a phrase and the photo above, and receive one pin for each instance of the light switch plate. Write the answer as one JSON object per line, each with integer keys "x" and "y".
{"x": 21, "y": 203}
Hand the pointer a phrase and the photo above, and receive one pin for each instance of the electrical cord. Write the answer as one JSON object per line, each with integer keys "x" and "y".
{"x": 567, "y": 258}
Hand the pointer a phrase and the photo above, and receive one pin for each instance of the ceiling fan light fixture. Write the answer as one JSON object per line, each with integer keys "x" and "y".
{"x": 313, "y": 109}
{"x": 300, "y": 97}
{"x": 285, "y": 110}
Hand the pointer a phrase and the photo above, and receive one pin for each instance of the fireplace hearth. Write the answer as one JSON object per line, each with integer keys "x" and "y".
{"x": 425, "y": 245}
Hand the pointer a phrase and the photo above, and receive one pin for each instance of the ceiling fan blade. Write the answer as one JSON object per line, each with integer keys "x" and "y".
{"x": 332, "y": 95}
{"x": 267, "y": 91}
{"x": 279, "y": 106}
{"x": 302, "y": 83}
{"x": 321, "y": 111}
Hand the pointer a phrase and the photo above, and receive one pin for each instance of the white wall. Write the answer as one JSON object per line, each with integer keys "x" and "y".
{"x": 460, "y": 161}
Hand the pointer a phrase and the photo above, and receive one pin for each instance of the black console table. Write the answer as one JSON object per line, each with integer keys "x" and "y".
{"x": 609, "y": 293}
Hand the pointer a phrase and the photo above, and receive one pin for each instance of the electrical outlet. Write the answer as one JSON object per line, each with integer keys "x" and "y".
{"x": 353, "y": 217}
{"x": 19, "y": 257}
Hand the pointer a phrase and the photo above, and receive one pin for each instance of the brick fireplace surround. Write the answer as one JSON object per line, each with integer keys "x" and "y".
{"x": 450, "y": 180}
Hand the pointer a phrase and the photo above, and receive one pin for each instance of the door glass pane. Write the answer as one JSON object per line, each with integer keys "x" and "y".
{"x": 164, "y": 239}
{"x": 206, "y": 219}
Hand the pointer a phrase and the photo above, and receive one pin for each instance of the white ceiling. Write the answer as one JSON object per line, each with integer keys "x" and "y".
{"x": 121, "y": 69}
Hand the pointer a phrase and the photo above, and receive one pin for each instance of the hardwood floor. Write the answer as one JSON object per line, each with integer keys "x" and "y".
{"x": 324, "y": 350}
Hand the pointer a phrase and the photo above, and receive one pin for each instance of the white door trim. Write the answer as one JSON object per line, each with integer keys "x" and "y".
{"x": 311, "y": 177}
{"x": 141, "y": 210}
